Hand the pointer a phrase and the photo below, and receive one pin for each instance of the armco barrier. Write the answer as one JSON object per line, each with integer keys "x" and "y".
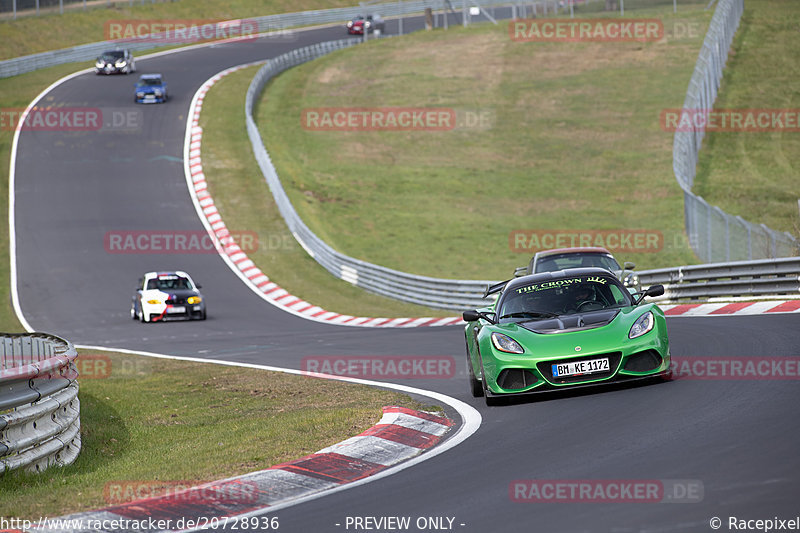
{"x": 270, "y": 23}
{"x": 432, "y": 292}
{"x": 740, "y": 279}
{"x": 756, "y": 278}
{"x": 39, "y": 407}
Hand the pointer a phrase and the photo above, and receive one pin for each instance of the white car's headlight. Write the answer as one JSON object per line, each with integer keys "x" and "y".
{"x": 642, "y": 325}
{"x": 504, "y": 343}
{"x": 154, "y": 302}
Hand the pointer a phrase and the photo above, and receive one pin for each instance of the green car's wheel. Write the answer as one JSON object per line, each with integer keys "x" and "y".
{"x": 475, "y": 386}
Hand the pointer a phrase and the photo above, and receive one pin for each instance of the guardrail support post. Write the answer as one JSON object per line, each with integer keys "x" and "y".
{"x": 400, "y": 22}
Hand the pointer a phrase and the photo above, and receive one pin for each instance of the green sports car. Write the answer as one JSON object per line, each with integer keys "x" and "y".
{"x": 571, "y": 328}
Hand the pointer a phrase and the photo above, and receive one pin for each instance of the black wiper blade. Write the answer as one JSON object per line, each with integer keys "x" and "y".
{"x": 530, "y": 314}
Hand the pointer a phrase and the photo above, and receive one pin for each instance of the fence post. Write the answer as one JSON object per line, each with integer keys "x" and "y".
{"x": 709, "y": 234}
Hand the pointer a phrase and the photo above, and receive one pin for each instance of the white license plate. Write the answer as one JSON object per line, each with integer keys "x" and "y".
{"x": 177, "y": 309}
{"x": 580, "y": 367}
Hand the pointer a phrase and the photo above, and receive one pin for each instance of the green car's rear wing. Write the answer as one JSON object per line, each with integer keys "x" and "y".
{"x": 497, "y": 287}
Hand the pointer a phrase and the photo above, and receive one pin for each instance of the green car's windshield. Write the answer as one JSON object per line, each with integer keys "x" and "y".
{"x": 564, "y": 296}
{"x": 551, "y": 263}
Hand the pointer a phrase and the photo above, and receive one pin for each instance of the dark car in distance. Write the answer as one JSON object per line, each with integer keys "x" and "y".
{"x": 115, "y": 62}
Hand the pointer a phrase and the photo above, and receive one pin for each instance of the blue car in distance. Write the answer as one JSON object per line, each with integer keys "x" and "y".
{"x": 151, "y": 89}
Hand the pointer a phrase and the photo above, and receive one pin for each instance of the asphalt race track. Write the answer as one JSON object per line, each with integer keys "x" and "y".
{"x": 739, "y": 439}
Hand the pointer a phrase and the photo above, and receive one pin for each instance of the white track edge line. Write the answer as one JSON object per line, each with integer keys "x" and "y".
{"x": 470, "y": 417}
{"x": 12, "y": 232}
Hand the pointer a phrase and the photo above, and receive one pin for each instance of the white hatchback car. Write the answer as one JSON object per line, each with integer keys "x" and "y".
{"x": 162, "y": 296}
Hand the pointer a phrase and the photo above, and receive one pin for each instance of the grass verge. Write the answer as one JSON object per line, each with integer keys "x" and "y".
{"x": 148, "y": 424}
{"x": 156, "y": 422}
{"x": 31, "y": 34}
{"x": 754, "y": 175}
{"x": 245, "y": 202}
{"x": 573, "y": 142}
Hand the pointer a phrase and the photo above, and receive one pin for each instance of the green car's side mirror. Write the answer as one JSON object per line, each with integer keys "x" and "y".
{"x": 653, "y": 290}
{"x": 474, "y": 316}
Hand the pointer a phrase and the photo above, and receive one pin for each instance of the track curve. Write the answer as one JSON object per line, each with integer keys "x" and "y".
{"x": 737, "y": 438}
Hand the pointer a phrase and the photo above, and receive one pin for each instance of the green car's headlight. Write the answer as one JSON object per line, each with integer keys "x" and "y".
{"x": 642, "y": 325}
{"x": 504, "y": 343}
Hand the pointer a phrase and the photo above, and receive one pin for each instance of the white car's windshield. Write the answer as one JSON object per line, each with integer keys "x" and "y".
{"x": 169, "y": 283}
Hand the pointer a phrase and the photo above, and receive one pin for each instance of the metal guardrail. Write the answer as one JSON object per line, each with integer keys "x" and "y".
{"x": 269, "y": 23}
{"x": 39, "y": 407}
{"x": 766, "y": 277}
{"x": 460, "y": 294}
{"x": 432, "y": 292}
{"x": 714, "y": 234}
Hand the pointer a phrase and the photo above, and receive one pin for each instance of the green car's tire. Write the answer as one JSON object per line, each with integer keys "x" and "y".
{"x": 475, "y": 386}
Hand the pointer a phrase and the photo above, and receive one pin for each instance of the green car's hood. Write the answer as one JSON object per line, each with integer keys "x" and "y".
{"x": 567, "y": 323}
{"x": 602, "y": 330}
